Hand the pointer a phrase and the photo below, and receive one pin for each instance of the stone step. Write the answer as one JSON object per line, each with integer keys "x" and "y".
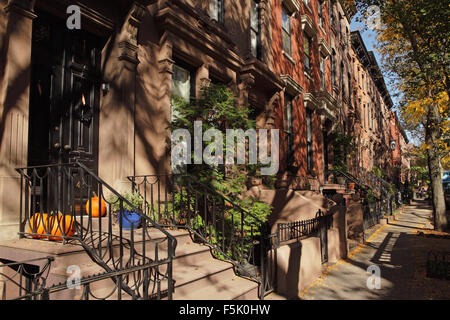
{"x": 226, "y": 287}
{"x": 197, "y": 274}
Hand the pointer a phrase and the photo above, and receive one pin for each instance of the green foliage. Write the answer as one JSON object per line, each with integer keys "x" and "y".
{"x": 370, "y": 195}
{"x": 378, "y": 172}
{"x": 217, "y": 108}
{"x": 343, "y": 147}
{"x": 133, "y": 197}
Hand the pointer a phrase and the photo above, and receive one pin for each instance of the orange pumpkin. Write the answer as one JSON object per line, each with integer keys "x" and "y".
{"x": 95, "y": 208}
{"x": 41, "y": 222}
{"x": 65, "y": 223}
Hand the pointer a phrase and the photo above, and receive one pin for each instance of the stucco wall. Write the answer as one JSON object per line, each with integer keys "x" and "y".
{"x": 298, "y": 265}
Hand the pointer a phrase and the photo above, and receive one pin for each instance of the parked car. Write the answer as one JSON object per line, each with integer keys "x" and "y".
{"x": 446, "y": 185}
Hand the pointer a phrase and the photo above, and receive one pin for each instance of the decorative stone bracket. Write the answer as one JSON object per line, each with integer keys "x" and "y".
{"x": 23, "y": 7}
{"x": 292, "y": 6}
{"x": 292, "y": 87}
{"x": 129, "y": 33}
{"x": 308, "y": 26}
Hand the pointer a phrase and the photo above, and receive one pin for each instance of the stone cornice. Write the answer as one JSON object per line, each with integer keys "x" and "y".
{"x": 292, "y": 87}
{"x": 324, "y": 48}
{"x": 198, "y": 36}
{"x": 261, "y": 72}
{"x": 310, "y": 101}
{"x": 292, "y": 6}
{"x": 308, "y": 26}
{"x": 24, "y": 8}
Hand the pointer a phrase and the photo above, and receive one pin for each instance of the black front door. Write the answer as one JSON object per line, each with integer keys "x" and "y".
{"x": 64, "y": 94}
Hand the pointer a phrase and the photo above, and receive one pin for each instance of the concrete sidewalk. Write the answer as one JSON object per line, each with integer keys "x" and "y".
{"x": 400, "y": 250}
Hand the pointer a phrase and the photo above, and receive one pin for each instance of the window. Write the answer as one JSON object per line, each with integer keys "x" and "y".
{"x": 307, "y": 53}
{"x": 288, "y": 126}
{"x": 255, "y": 29}
{"x": 341, "y": 79}
{"x": 286, "y": 30}
{"x": 183, "y": 84}
{"x": 183, "y": 87}
{"x": 322, "y": 73}
{"x": 364, "y": 117}
{"x": 349, "y": 79}
{"x": 333, "y": 68}
{"x": 339, "y": 30}
{"x": 332, "y": 16}
{"x": 320, "y": 4}
{"x": 309, "y": 141}
{"x": 216, "y": 10}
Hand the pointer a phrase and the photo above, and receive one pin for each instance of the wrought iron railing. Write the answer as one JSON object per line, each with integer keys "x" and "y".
{"x": 71, "y": 204}
{"x": 297, "y": 230}
{"x": 233, "y": 233}
{"x": 373, "y": 212}
{"x": 348, "y": 177}
{"x": 25, "y": 278}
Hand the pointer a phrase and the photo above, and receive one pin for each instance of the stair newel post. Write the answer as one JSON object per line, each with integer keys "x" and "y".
{"x": 21, "y": 224}
{"x": 158, "y": 280}
{"x": 171, "y": 254}
{"x": 242, "y": 234}
{"x": 119, "y": 284}
{"x": 72, "y": 195}
{"x": 262, "y": 250}
{"x": 152, "y": 200}
{"x": 223, "y": 228}
{"x": 33, "y": 201}
{"x": 232, "y": 234}
{"x": 213, "y": 232}
{"x": 110, "y": 232}
{"x": 99, "y": 206}
{"x": 121, "y": 217}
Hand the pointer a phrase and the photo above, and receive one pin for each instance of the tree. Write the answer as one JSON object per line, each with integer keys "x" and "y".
{"x": 414, "y": 37}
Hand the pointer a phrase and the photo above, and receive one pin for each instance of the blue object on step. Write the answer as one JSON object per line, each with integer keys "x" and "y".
{"x": 130, "y": 220}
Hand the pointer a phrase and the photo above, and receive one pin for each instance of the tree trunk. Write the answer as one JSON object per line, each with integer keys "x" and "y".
{"x": 435, "y": 169}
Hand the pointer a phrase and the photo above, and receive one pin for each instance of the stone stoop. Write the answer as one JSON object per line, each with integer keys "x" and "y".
{"x": 197, "y": 275}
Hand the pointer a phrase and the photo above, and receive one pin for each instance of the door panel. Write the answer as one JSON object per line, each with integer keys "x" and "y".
{"x": 65, "y": 68}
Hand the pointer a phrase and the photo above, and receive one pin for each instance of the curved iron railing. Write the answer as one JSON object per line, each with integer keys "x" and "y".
{"x": 348, "y": 177}
{"x": 24, "y": 279}
{"x": 71, "y": 204}
{"x": 233, "y": 233}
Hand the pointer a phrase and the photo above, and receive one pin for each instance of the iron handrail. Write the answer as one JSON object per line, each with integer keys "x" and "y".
{"x": 211, "y": 208}
{"x": 101, "y": 245}
{"x": 350, "y": 177}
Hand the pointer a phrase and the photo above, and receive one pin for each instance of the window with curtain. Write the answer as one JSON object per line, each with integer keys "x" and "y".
{"x": 255, "y": 29}
{"x": 217, "y": 10}
{"x": 307, "y": 53}
{"x": 286, "y": 32}
{"x": 309, "y": 141}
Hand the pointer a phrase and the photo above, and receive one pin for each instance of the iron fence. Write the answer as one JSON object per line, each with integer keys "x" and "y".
{"x": 25, "y": 278}
{"x": 70, "y": 204}
{"x": 303, "y": 228}
{"x": 372, "y": 214}
{"x": 233, "y": 233}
